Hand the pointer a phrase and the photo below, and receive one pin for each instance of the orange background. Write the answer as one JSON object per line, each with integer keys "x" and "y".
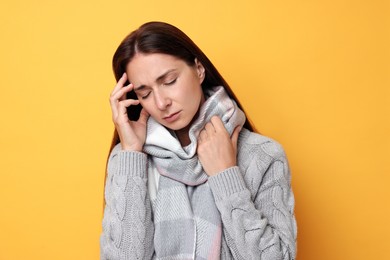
{"x": 313, "y": 75}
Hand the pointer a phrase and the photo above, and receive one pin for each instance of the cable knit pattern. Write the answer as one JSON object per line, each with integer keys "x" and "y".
{"x": 127, "y": 223}
{"x": 255, "y": 201}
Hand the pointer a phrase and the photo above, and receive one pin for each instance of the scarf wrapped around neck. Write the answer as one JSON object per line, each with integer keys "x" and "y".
{"x": 187, "y": 222}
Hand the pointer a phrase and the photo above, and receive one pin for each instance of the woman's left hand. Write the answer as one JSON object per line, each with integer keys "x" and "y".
{"x": 216, "y": 150}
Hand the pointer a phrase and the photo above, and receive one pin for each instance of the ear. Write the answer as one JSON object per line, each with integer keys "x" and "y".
{"x": 200, "y": 70}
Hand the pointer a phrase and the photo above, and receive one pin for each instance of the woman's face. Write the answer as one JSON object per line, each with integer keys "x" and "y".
{"x": 167, "y": 87}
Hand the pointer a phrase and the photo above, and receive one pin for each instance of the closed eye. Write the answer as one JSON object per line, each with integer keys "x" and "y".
{"x": 170, "y": 82}
{"x": 145, "y": 96}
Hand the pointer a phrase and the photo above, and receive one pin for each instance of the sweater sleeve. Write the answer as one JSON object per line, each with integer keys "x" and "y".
{"x": 127, "y": 222}
{"x": 257, "y": 211}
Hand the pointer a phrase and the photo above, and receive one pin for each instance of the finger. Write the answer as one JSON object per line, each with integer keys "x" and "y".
{"x": 120, "y": 83}
{"x": 202, "y": 135}
{"x": 122, "y": 105}
{"x": 218, "y": 124}
{"x": 120, "y": 93}
{"x": 234, "y": 137}
{"x": 209, "y": 128}
{"x": 143, "y": 117}
{"x": 114, "y": 100}
{"x": 125, "y": 90}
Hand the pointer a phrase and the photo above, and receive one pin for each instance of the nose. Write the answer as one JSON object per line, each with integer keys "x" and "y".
{"x": 161, "y": 100}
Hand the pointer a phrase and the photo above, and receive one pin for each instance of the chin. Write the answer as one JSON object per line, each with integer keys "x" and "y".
{"x": 178, "y": 125}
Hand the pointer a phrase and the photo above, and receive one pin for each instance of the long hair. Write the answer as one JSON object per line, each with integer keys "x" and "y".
{"x": 160, "y": 37}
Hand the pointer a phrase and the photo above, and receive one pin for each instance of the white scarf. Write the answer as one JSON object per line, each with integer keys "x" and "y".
{"x": 187, "y": 221}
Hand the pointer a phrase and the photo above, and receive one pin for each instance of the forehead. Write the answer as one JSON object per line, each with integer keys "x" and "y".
{"x": 148, "y": 67}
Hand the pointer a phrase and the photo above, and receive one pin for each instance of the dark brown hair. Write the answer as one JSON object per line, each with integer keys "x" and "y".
{"x": 160, "y": 37}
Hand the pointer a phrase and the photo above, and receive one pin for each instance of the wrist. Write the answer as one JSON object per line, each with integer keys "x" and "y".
{"x": 133, "y": 148}
{"x": 218, "y": 170}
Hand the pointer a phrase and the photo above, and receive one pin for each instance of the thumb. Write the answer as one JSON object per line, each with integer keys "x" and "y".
{"x": 143, "y": 117}
{"x": 234, "y": 137}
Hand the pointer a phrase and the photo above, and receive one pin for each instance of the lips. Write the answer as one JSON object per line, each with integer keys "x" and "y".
{"x": 172, "y": 117}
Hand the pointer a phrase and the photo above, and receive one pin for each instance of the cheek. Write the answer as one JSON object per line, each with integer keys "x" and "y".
{"x": 194, "y": 88}
{"x": 147, "y": 106}
{"x": 197, "y": 92}
{"x": 193, "y": 100}
{"x": 189, "y": 95}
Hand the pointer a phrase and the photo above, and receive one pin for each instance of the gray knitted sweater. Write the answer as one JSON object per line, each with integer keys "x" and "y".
{"x": 255, "y": 201}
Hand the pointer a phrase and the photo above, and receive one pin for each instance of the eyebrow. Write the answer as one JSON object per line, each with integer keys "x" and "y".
{"x": 159, "y": 79}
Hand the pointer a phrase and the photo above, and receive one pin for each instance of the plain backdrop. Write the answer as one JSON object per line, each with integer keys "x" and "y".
{"x": 314, "y": 75}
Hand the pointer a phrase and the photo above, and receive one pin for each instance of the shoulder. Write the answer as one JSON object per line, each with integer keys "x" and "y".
{"x": 259, "y": 155}
{"x": 251, "y": 144}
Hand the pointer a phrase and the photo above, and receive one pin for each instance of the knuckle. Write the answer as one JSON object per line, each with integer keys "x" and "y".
{"x": 121, "y": 103}
{"x": 120, "y": 122}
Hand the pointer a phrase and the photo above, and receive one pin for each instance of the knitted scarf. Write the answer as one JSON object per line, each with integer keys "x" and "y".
{"x": 187, "y": 222}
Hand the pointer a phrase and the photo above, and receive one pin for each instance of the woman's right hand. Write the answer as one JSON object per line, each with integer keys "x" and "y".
{"x": 131, "y": 133}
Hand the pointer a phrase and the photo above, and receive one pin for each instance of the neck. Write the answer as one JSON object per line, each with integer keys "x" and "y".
{"x": 183, "y": 136}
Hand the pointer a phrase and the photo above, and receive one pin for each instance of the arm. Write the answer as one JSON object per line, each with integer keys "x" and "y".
{"x": 127, "y": 223}
{"x": 257, "y": 213}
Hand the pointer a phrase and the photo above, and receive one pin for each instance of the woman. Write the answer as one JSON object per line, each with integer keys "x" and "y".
{"x": 187, "y": 178}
